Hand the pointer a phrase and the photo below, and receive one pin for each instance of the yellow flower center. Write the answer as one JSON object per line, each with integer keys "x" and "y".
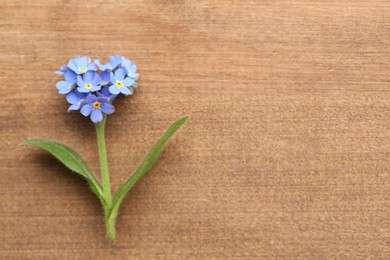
{"x": 83, "y": 70}
{"x": 70, "y": 85}
{"x": 104, "y": 82}
{"x": 96, "y": 104}
{"x": 88, "y": 85}
{"x": 119, "y": 84}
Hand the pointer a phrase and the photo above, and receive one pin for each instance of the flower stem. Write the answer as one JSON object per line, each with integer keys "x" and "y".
{"x": 105, "y": 176}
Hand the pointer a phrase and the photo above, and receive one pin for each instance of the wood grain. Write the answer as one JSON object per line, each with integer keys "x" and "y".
{"x": 286, "y": 153}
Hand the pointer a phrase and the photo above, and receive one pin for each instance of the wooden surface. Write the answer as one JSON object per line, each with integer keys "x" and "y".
{"x": 286, "y": 153}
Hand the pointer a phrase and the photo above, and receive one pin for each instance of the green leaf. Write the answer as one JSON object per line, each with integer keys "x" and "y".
{"x": 71, "y": 159}
{"x": 145, "y": 166}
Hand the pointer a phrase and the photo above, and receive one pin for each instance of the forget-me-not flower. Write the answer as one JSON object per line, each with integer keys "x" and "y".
{"x": 130, "y": 68}
{"x": 96, "y": 106}
{"x": 76, "y": 99}
{"x": 89, "y": 82}
{"x": 81, "y": 65}
{"x": 120, "y": 84}
{"x": 92, "y": 90}
{"x": 67, "y": 85}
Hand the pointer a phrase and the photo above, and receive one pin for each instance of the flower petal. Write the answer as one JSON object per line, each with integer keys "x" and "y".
{"x": 126, "y": 64}
{"x": 64, "y": 91}
{"x": 72, "y": 98}
{"x": 102, "y": 99}
{"x": 73, "y": 67}
{"x": 105, "y": 76}
{"x": 119, "y": 74}
{"x": 83, "y": 90}
{"x": 70, "y": 76}
{"x": 90, "y": 99}
{"x": 107, "y": 108}
{"x": 80, "y": 95}
{"x": 133, "y": 75}
{"x": 105, "y": 92}
{"x": 128, "y": 82}
{"x": 96, "y": 116}
{"x": 62, "y": 70}
{"x": 88, "y": 76}
{"x": 115, "y": 61}
{"x": 81, "y": 62}
{"x": 129, "y": 67}
{"x": 126, "y": 91}
{"x": 62, "y": 85}
{"x": 80, "y": 81}
{"x": 112, "y": 78}
{"x": 95, "y": 88}
{"x": 97, "y": 62}
{"x": 96, "y": 79}
{"x": 86, "y": 110}
{"x": 74, "y": 107}
{"x": 91, "y": 67}
{"x": 114, "y": 90}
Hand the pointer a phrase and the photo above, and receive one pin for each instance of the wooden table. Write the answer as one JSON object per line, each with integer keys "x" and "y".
{"x": 286, "y": 153}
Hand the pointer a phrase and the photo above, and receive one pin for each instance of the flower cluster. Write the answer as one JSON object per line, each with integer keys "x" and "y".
{"x": 91, "y": 86}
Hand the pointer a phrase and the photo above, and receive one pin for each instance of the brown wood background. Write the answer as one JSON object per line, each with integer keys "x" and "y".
{"x": 286, "y": 153}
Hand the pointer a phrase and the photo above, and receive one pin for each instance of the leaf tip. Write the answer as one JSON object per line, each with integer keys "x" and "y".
{"x": 25, "y": 143}
{"x": 183, "y": 119}
{"x": 31, "y": 142}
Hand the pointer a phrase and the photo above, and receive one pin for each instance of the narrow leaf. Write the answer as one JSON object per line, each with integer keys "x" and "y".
{"x": 71, "y": 159}
{"x": 145, "y": 166}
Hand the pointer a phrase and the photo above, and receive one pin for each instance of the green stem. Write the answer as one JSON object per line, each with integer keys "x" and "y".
{"x": 105, "y": 176}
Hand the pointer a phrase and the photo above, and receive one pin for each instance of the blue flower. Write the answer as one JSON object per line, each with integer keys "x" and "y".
{"x": 114, "y": 62}
{"x": 76, "y": 99}
{"x": 89, "y": 82}
{"x": 81, "y": 65}
{"x": 93, "y": 90}
{"x": 120, "y": 83}
{"x": 105, "y": 75}
{"x": 130, "y": 68}
{"x": 96, "y": 106}
{"x": 67, "y": 85}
